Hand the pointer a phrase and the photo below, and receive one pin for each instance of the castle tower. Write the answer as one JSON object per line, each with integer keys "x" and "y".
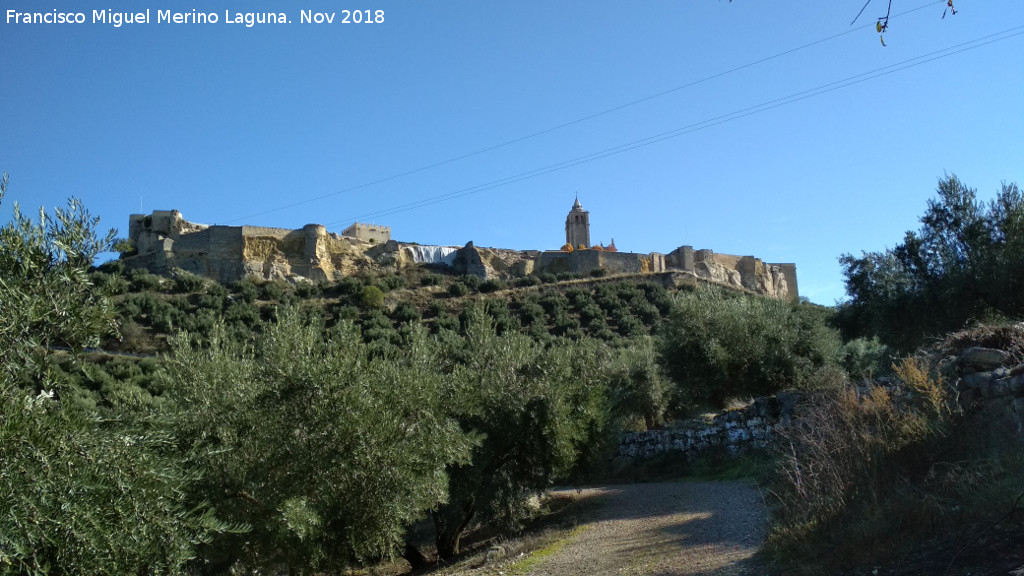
{"x": 577, "y": 226}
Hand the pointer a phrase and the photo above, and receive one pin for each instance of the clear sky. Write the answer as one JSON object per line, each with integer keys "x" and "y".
{"x": 289, "y": 124}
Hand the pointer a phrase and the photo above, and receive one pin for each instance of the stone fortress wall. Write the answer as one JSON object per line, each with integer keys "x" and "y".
{"x": 164, "y": 241}
{"x": 368, "y": 232}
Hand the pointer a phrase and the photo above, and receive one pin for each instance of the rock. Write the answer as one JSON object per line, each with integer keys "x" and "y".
{"x": 984, "y": 358}
{"x": 975, "y": 379}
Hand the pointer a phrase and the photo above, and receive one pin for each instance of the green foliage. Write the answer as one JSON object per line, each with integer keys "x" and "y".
{"x": 371, "y": 297}
{"x": 471, "y": 282}
{"x": 350, "y": 286}
{"x": 718, "y": 346}
{"x": 308, "y": 290}
{"x": 186, "y": 282}
{"x": 246, "y": 289}
{"x": 391, "y": 282}
{"x": 492, "y": 285}
{"x": 405, "y": 312}
{"x": 326, "y": 452}
{"x": 638, "y": 385}
{"x": 531, "y": 406}
{"x": 143, "y": 280}
{"x": 525, "y": 281}
{"x": 109, "y": 283}
{"x": 86, "y": 489}
{"x": 963, "y": 264}
{"x": 531, "y": 312}
{"x": 865, "y": 358}
{"x": 45, "y": 293}
{"x": 275, "y": 290}
{"x": 859, "y": 452}
{"x": 431, "y": 280}
{"x": 458, "y": 289}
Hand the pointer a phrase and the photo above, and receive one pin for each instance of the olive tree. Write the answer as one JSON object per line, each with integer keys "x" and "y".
{"x": 83, "y": 489}
{"x": 326, "y": 450}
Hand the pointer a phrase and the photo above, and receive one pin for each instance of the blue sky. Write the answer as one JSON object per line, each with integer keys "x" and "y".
{"x": 284, "y": 125}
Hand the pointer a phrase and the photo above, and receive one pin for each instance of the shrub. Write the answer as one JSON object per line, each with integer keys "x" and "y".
{"x": 471, "y": 282}
{"x": 275, "y": 290}
{"x": 114, "y": 267}
{"x": 861, "y": 451}
{"x": 717, "y": 345}
{"x": 526, "y": 281}
{"x": 457, "y": 289}
{"x": 246, "y": 289}
{"x": 143, "y": 281}
{"x": 590, "y": 313}
{"x": 110, "y": 283}
{"x": 391, "y": 282}
{"x": 308, "y": 290}
{"x": 554, "y": 303}
{"x": 492, "y": 285}
{"x": 548, "y": 278}
{"x": 405, "y": 312}
{"x": 531, "y": 312}
{"x": 350, "y": 286}
{"x": 242, "y": 313}
{"x": 865, "y": 358}
{"x": 598, "y": 273}
{"x": 186, "y": 282}
{"x": 431, "y": 280}
{"x": 371, "y": 297}
{"x": 445, "y": 321}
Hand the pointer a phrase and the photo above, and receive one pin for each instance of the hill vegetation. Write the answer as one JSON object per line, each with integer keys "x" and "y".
{"x": 209, "y": 429}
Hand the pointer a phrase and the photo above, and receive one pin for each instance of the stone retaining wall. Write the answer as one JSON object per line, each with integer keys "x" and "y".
{"x": 983, "y": 385}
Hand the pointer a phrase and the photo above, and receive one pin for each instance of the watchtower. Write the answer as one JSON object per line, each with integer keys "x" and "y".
{"x": 577, "y": 226}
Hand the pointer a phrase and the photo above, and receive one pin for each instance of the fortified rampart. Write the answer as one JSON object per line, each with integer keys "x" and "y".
{"x": 164, "y": 241}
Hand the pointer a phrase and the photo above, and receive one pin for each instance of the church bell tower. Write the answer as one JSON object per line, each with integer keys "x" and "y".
{"x": 577, "y": 226}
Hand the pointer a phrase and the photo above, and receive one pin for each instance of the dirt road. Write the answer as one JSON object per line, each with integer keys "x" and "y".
{"x": 660, "y": 529}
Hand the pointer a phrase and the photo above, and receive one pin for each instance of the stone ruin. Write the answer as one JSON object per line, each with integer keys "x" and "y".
{"x": 164, "y": 241}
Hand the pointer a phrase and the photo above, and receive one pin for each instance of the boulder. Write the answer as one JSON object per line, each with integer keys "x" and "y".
{"x": 983, "y": 358}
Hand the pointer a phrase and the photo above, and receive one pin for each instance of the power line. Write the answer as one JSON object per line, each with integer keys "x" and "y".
{"x": 762, "y": 107}
{"x": 576, "y": 121}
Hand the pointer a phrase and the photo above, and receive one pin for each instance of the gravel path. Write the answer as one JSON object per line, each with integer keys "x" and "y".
{"x": 664, "y": 529}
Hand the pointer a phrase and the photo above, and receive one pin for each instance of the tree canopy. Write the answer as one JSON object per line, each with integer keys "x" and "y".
{"x": 965, "y": 263}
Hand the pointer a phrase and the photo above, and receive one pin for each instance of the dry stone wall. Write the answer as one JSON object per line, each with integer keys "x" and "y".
{"x": 987, "y": 383}
{"x": 734, "y": 431}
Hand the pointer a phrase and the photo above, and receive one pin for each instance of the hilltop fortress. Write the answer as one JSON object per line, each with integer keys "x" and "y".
{"x": 164, "y": 241}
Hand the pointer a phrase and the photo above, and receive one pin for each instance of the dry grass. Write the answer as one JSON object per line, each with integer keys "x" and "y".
{"x": 872, "y": 474}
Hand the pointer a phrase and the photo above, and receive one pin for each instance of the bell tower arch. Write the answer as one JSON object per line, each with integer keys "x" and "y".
{"x": 577, "y": 226}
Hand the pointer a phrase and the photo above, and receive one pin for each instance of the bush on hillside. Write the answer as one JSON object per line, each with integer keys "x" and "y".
{"x": 718, "y": 345}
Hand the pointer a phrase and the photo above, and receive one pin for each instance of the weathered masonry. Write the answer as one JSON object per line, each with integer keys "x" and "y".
{"x": 164, "y": 241}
